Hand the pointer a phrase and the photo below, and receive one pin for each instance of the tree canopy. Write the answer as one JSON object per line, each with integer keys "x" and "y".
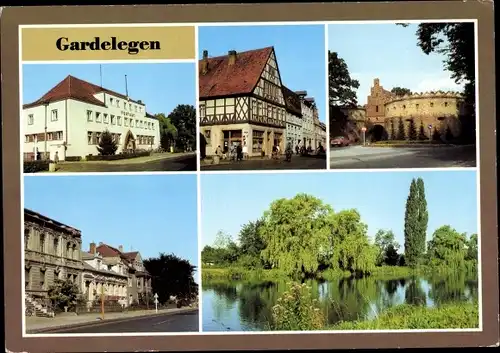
{"x": 342, "y": 88}
{"x": 399, "y": 91}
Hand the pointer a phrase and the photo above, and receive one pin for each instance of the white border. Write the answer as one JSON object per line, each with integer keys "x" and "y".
{"x": 327, "y": 101}
{"x": 199, "y": 172}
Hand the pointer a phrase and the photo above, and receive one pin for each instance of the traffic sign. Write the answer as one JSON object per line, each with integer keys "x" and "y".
{"x": 363, "y": 129}
{"x": 156, "y": 302}
{"x": 429, "y": 126}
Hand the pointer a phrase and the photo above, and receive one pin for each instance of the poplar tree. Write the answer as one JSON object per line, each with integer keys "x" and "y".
{"x": 401, "y": 130}
{"x": 416, "y": 220}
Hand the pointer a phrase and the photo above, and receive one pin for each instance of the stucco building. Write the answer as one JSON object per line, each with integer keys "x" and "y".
{"x": 293, "y": 118}
{"x": 52, "y": 250}
{"x": 71, "y": 117}
{"x": 308, "y": 119}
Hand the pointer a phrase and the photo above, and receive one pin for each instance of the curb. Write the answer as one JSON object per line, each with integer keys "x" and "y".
{"x": 54, "y": 329}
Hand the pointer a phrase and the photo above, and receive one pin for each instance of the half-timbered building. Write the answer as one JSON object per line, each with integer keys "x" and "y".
{"x": 241, "y": 101}
{"x": 293, "y": 118}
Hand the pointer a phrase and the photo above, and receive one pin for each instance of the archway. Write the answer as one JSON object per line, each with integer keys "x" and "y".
{"x": 129, "y": 142}
{"x": 378, "y": 133}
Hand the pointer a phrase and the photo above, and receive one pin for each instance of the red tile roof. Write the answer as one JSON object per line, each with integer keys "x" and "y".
{"x": 77, "y": 89}
{"x": 223, "y": 79}
{"x": 292, "y": 101}
{"x": 131, "y": 255}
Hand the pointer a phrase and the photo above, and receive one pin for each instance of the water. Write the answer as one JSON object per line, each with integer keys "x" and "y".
{"x": 246, "y": 306}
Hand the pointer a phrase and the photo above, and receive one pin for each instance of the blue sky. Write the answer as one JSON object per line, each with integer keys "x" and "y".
{"x": 300, "y": 51}
{"x": 160, "y": 86}
{"x": 231, "y": 200}
{"x": 389, "y": 52}
{"x": 146, "y": 213}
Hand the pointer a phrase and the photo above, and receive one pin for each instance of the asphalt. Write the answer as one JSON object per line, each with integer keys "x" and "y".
{"x": 359, "y": 157}
{"x": 187, "y": 163}
{"x": 179, "y": 322}
{"x": 297, "y": 163}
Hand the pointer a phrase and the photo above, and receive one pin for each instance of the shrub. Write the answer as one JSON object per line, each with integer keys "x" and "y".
{"x": 116, "y": 157}
{"x": 36, "y": 166}
{"x": 296, "y": 310}
{"x": 73, "y": 159}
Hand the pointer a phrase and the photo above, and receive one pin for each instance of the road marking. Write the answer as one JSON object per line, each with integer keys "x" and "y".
{"x": 161, "y": 322}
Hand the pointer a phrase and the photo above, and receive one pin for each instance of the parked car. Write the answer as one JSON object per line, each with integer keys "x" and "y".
{"x": 340, "y": 141}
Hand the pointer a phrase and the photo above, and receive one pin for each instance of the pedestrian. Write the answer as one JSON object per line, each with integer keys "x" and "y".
{"x": 245, "y": 151}
{"x": 56, "y": 157}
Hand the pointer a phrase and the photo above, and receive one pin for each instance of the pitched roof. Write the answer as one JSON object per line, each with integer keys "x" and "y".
{"x": 49, "y": 222}
{"x": 131, "y": 255}
{"x": 108, "y": 251}
{"x": 223, "y": 79}
{"x": 77, "y": 89}
{"x": 292, "y": 101}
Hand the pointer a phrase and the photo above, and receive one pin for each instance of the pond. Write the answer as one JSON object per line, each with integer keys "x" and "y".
{"x": 246, "y": 306}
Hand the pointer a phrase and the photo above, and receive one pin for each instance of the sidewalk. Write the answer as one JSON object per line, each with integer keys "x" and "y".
{"x": 40, "y": 324}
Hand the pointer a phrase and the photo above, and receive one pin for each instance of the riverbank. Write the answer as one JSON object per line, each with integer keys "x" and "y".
{"x": 244, "y": 274}
{"x": 411, "y": 317}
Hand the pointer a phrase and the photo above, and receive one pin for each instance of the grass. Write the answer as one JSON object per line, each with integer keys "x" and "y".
{"x": 449, "y": 316}
{"x": 240, "y": 273}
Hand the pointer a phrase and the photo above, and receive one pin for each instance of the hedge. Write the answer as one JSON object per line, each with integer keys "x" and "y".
{"x": 36, "y": 166}
{"x": 73, "y": 159}
{"x": 116, "y": 157}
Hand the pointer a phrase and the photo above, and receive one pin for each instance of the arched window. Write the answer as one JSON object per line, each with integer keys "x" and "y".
{"x": 68, "y": 250}
{"x": 56, "y": 245}
{"x": 42, "y": 242}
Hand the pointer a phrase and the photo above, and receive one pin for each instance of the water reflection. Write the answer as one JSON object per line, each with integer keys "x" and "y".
{"x": 246, "y": 306}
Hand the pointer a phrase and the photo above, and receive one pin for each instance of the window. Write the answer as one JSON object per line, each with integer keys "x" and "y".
{"x": 118, "y": 103}
{"x": 376, "y": 108}
{"x": 42, "y": 243}
{"x": 97, "y": 117}
{"x": 31, "y": 119}
{"x": 53, "y": 115}
{"x": 42, "y": 278}
{"x": 89, "y": 137}
{"x": 404, "y": 106}
{"x": 417, "y": 105}
{"x": 207, "y": 136}
{"x": 106, "y": 119}
{"x": 431, "y": 104}
{"x": 111, "y": 101}
{"x": 135, "y": 107}
{"x": 131, "y": 123}
{"x": 203, "y": 111}
{"x": 126, "y": 121}
{"x": 137, "y": 123}
{"x": 119, "y": 120}
{"x": 113, "y": 120}
{"x": 445, "y": 104}
{"x": 257, "y": 141}
{"x": 130, "y": 106}
{"x": 97, "y": 138}
{"x": 27, "y": 275}
{"x": 89, "y": 115}
{"x": 56, "y": 246}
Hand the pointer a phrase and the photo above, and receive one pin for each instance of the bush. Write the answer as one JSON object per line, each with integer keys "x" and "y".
{"x": 116, "y": 157}
{"x": 296, "y": 310}
{"x": 36, "y": 166}
{"x": 73, "y": 159}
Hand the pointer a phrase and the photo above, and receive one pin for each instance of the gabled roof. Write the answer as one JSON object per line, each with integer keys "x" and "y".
{"x": 109, "y": 251}
{"x": 131, "y": 255}
{"x": 223, "y": 79}
{"x": 77, "y": 89}
{"x": 292, "y": 101}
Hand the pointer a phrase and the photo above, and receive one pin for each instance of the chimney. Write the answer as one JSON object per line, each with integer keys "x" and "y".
{"x": 92, "y": 248}
{"x": 204, "y": 62}
{"x": 120, "y": 248}
{"x": 232, "y": 57}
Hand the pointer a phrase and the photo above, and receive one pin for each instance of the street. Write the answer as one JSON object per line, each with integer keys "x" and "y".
{"x": 184, "y": 163}
{"x": 297, "y": 162}
{"x": 359, "y": 157}
{"x": 181, "y": 322}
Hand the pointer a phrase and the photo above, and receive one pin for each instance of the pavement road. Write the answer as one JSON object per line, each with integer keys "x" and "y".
{"x": 187, "y": 163}
{"x": 170, "y": 322}
{"x": 297, "y": 162}
{"x": 359, "y": 157}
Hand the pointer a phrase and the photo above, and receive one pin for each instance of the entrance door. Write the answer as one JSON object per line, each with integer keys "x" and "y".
{"x": 232, "y": 138}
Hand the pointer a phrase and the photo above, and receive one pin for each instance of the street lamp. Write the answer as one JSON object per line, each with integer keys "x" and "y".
{"x": 45, "y": 104}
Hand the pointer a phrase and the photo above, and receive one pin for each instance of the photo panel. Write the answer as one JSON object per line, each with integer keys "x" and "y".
{"x": 299, "y": 256}
{"x": 102, "y": 256}
{"x": 106, "y": 114}
{"x": 412, "y": 104}
{"x": 262, "y": 99}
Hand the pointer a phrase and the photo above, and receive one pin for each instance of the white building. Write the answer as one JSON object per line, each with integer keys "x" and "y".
{"x": 293, "y": 118}
{"x": 308, "y": 128}
{"x": 70, "y": 118}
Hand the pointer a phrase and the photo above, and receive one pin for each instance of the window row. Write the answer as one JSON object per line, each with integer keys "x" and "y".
{"x": 105, "y": 118}
{"x": 51, "y": 136}
{"x": 114, "y": 102}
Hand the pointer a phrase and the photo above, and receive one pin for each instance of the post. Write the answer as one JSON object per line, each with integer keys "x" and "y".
{"x": 102, "y": 302}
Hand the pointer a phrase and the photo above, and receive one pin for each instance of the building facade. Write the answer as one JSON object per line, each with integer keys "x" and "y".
{"x": 241, "y": 101}
{"x": 52, "y": 250}
{"x": 434, "y": 111}
{"x": 139, "y": 280}
{"x": 71, "y": 117}
{"x": 293, "y": 118}
{"x": 308, "y": 123}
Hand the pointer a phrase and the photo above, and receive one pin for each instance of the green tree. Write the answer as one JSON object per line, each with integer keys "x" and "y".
{"x": 352, "y": 250}
{"x": 64, "y": 293}
{"x": 400, "y": 91}
{"x": 183, "y": 117}
{"x": 401, "y": 135}
{"x": 251, "y": 244}
{"x": 107, "y": 144}
{"x": 412, "y": 130}
{"x": 387, "y": 248}
{"x": 342, "y": 88}
{"x": 172, "y": 276}
{"x": 448, "y": 248}
{"x": 416, "y": 219}
{"x": 296, "y": 231}
{"x": 448, "y": 135}
{"x": 436, "y": 134}
{"x": 421, "y": 132}
{"x": 168, "y": 132}
{"x": 393, "y": 130}
{"x": 472, "y": 250}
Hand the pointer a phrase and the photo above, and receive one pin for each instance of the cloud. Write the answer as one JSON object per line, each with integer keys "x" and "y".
{"x": 437, "y": 84}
